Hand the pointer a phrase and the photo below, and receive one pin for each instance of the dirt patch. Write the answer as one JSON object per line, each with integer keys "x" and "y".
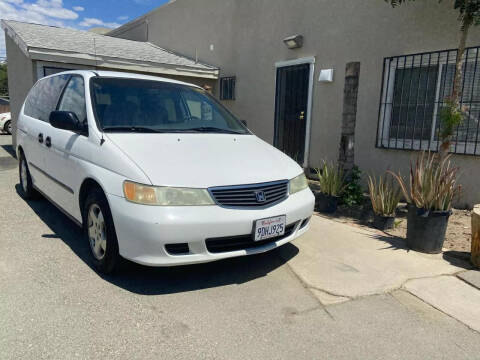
{"x": 459, "y": 229}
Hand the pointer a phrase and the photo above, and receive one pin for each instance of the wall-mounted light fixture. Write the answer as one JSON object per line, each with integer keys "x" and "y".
{"x": 294, "y": 42}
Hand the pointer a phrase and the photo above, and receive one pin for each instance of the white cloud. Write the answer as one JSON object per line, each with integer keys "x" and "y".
{"x": 122, "y": 18}
{"x": 40, "y": 12}
{"x": 50, "y": 8}
{"x": 89, "y": 22}
{"x": 46, "y": 12}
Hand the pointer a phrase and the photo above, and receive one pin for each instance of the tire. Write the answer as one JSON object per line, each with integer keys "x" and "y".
{"x": 100, "y": 232}
{"x": 8, "y": 127}
{"x": 26, "y": 185}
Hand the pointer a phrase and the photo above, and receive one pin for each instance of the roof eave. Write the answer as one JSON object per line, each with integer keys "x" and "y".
{"x": 17, "y": 39}
{"x": 120, "y": 63}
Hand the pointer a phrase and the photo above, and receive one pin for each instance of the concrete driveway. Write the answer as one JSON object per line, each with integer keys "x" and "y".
{"x": 271, "y": 306}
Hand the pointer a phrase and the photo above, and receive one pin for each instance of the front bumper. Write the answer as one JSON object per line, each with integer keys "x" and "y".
{"x": 143, "y": 231}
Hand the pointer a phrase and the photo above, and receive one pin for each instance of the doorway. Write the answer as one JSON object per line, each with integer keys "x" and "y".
{"x": 293, "y": 100}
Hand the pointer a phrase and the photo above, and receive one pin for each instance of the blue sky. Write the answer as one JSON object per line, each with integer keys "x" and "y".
{"x": 78, "y": 14}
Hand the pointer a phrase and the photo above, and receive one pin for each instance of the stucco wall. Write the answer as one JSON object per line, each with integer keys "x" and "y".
{"x": 18, "y": 86}
{"x": 247, "y": 38}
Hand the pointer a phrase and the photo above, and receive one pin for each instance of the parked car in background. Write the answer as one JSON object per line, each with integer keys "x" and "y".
{"x": 6, "y": 122}
{"x": 156, "y": 170}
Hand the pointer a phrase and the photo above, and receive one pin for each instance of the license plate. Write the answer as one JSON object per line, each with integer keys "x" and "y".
{"x": 270, "y": 228}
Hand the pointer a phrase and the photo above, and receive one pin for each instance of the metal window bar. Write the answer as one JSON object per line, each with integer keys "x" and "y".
{"x": 227, "y": 88}
{"x": 414, "y": 92}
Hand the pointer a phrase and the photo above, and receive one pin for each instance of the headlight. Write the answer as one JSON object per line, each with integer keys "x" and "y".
{"x": 298, "y": 184}
{"x": 165, "y": 196}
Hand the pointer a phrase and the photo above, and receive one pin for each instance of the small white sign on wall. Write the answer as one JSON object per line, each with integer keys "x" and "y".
{"x": 326, "y": 76}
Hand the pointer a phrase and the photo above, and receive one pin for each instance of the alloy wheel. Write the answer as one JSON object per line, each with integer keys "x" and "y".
{"x": 97, "y": 232}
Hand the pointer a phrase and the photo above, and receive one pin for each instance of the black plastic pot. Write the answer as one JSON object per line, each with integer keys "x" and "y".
{"x": 426, "y": 230}
{"x": 325, "y": 203}
{"x": 383, "y": 222}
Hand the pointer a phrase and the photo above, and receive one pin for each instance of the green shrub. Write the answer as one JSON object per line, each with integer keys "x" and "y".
{"x": 353, "y": 192}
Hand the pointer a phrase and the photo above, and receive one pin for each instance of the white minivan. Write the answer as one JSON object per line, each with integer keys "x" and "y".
{"x": 156, "y": 170}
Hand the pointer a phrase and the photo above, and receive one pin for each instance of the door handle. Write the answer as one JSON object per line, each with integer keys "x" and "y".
{"x": 40, "y": 138}
{"x": 48, "y": 141}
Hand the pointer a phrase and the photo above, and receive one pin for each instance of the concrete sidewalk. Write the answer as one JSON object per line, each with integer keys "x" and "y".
{"x": 339, "y": 262}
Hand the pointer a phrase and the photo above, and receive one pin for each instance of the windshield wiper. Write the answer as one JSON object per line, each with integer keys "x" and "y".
{"x": 211, "y": 129}
{"x": 139, "y": 129}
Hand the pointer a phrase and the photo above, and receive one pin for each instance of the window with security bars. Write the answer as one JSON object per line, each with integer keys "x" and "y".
{"x": 414, "y": 92}
{"x": 227, "y": 88}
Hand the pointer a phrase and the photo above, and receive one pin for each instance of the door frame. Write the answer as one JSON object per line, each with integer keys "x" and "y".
{"x": 301, "y": 61}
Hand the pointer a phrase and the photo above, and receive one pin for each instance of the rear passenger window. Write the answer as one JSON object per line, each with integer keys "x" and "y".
{"x": 73, "y": 98}
{"x": 43, "y": 98}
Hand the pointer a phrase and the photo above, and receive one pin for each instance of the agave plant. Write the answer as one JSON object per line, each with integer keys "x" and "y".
{"x": 433, "y": 183}
{"x": 331, "y": 179}
{"x": 384, "y": 195}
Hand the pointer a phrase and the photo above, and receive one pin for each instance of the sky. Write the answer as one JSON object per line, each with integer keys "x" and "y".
{"x": 78, "y": 14}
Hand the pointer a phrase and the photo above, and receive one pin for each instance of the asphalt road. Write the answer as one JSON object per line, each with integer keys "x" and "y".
{"x": 54, "y": 305}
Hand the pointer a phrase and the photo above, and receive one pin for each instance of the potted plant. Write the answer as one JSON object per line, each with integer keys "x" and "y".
{"x": 385, "y": 197}
{"x": 331, "y": 183}
{"x": 431, "y": 191}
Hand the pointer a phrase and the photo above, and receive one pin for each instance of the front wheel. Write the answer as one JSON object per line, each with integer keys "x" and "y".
{"x": 100, "y": 232}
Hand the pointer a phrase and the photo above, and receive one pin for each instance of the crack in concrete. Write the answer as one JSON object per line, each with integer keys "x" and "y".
{"x": 308, "y": 289}
{"x": 466, "y": 281}
{"x": 387, "y": 291}
{"x": 440, "y": 310}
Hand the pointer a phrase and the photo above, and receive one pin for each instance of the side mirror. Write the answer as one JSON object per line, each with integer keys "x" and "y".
{"x": 66, "y": 120}
{"x": 244, "y": 122}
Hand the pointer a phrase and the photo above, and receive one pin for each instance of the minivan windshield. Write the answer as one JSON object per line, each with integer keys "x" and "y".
{"x": 136, "y": 105}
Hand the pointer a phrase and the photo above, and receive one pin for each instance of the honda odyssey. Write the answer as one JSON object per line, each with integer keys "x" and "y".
{"x": 156, "y": 170}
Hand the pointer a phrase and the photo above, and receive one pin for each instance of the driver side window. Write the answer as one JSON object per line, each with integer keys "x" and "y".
{"x": 73, "y": 99}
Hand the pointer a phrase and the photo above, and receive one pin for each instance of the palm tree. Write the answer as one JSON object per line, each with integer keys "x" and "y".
{"x": 452, "y": 116}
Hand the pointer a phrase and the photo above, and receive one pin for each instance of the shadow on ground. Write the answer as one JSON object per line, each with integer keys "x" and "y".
{"x": 153, "y": 281}
{"x": 458, "y": 258}
{"x": 391, "y": 242}
{"x": 9, "y": 149}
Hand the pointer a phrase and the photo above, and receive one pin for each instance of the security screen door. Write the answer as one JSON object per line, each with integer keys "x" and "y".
{"x": 291, "y": 102}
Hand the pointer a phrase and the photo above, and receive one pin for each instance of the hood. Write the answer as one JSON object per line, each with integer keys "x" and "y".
{"x": 205, "y": 160}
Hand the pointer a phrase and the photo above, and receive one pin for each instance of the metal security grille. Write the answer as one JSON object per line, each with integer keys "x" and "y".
{"x": 415, "y": 88}
{"x": 227, "y": 88}
{"x": 245, "y": 196}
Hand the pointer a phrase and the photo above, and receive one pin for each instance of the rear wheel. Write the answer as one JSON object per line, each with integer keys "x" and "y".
{"x": 100, "y": 232}
{"x": 26, "y": 185}
{"x": 8, "y": 127}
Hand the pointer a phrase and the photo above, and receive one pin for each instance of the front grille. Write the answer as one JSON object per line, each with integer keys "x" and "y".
{"x": 245, "y": 196}
{"x": 242, "y": 242}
